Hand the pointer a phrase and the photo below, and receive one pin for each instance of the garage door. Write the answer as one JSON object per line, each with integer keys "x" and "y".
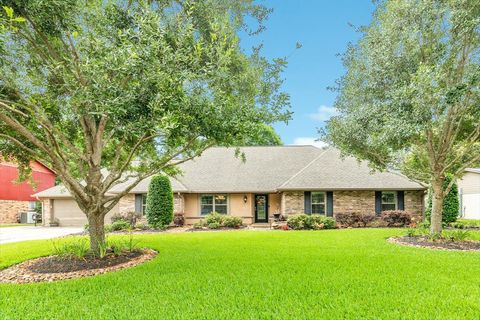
{"x": 69, "y": 214}
{"x": 471, "y": 205}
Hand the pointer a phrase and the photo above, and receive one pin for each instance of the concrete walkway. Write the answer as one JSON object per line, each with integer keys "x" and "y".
{"x": 17, "y": 234}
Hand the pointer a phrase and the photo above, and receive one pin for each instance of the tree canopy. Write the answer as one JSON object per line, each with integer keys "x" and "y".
{"x": 91, "y": 85}
{"x": 411, "y": 90}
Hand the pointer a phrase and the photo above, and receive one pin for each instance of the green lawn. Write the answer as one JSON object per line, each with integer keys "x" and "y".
{"x": 331, "y": 274}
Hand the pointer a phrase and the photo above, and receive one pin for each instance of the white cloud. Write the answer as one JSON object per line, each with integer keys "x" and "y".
{"x": 323, "y": 113}
{"x": 310, "y": 141}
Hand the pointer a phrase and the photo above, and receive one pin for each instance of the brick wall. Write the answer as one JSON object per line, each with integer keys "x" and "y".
{"x": 10, "y": 209}
{"x": 351, "y": 201}
{"x": 354, "y": 201}
{"x": 414, "y": 201}
{"x": 292, "y": 202}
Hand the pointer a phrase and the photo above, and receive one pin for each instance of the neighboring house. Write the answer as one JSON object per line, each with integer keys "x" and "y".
{"x": 469, "y": 193}
{"x": 282, "y": 179}
{"x": 17, "y": 197}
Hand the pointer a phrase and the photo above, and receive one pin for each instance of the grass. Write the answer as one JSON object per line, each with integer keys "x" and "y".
{"x": 14, "y": 225}
{"x": 466, "y": 223}
{"x": 331, "y": 274}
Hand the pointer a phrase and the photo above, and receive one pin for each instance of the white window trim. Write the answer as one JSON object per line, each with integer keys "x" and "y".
{"x": 144, "y": 203}
{"x": 213, "y": 204}
{"x": 316, "y": 203}
{"x": 395, "y": 199}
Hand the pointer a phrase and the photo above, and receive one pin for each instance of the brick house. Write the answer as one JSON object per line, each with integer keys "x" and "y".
{"x": 17, "y": 197}
{"x": 280, "y": 179}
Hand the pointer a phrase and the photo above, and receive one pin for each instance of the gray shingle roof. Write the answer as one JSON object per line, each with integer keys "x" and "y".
{"x": 270, "y": 169}
{"x": 330, "y": 172}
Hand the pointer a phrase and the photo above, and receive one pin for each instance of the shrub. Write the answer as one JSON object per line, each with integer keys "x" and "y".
{"x": 199, "y": 225}
{"x": 451, "y": 206}
{"x": 179, "y": 219}
{"x": 131, "y": 217}
{"x": 120, "y": 225}
{"x": 456, "y": 235}
{"x": 108, "y": 228}
{"x": 354, "y": 219}
{"x": 411, "y": 232}
{"x": 396, "y": 218}
{"x": 214, "y": 225}
{"x": 142, "y": 226}
{"x": 310, "y": 222}
{"x": 214, "y": 218}
{"x": 232, "y": 222}
{"x": 159, "y": 210}
{"x": 77, "y": 248}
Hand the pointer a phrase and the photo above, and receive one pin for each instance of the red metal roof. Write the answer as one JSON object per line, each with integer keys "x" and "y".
{"x": 10, "y": 189}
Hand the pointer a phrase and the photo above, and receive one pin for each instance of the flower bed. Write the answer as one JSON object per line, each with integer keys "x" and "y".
{"x": 54, "y": 268}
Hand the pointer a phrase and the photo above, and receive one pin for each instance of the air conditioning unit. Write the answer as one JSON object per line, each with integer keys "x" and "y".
{"x": 27, "y": 217}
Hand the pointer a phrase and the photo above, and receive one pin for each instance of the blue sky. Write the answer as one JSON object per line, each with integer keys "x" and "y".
{"x": 321, "y": 26}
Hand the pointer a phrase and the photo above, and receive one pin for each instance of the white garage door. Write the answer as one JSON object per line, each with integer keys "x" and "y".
{"x": 69, "y": 214}
{"x": 471, "y": 205}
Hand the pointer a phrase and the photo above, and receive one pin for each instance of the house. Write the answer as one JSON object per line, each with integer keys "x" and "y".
{"x": 469, "y": 193}
{"x": 17, "y": 197}
{"x": 277, "y": 179}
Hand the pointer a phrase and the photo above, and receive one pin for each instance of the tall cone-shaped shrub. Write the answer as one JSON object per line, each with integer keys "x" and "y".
{"x": 159, "y": 209}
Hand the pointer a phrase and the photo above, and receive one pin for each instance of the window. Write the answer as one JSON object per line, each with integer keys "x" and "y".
{"x": 389, "y": 200}
{"x": 318, "y": 202}
{"x": 213, "y": 203}
{"x": 144, "y": 203}
{"x": 32, "y": 205}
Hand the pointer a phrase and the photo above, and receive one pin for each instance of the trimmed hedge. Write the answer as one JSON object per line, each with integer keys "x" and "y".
{"x": 396, "y": 218}
{"x": 310, "y": 222}
{"x": 159, "y": 210}
{"x": 451, "y": 205}
{"x": 355, "y": 219}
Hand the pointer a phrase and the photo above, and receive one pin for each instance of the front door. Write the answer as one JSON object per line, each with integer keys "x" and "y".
{"x": 261, "y": 208}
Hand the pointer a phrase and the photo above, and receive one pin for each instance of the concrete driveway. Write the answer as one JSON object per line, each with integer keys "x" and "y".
{"x": 16, "y": 234}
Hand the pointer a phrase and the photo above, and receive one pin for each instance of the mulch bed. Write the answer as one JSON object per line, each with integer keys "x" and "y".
{"x": 423, "y": 242}
{"x": 54, "y": 268}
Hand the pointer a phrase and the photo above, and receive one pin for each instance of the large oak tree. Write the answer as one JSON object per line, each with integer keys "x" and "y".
{"x": 134, "y": 87}
{"x": 411, "y": 91}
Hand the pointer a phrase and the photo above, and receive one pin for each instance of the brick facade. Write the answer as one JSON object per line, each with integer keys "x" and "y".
{"x": 414, "y": 201}
{"x": 350, "y": 201}
{"x": 292, "y": 202}
{"x": 354, "y": 201}
{"x": 10, "y": 210}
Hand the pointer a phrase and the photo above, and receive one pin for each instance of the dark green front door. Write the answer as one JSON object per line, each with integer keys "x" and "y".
{"x": 261, "y": 208}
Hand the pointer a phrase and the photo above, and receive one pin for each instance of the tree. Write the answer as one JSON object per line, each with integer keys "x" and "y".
{"x": 131, "y": 87}
{"x": 264, "y": 135}
{"x": 159, "y": 209}
{"x": 451, "y": 205}
{"x": 411, "y": 90}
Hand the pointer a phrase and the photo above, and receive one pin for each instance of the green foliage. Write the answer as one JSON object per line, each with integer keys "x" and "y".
{"x": 355, "y": 219}
{"x": 215, "y": 217}
{"x": 159, "y": 210}
{"x": 410, "y": 92}
{"x": 119, "y": 225}
{"x": 465, "y": 223}
{"x": 232, "y": 222}
{"x": 451, "y": 205}
{"x": 130, "y": 86}
{"x": 456, "y": 235}
{"x": 76, "y": 248}
{"x": 263, "y": 135}
{"x": 195, "y": 259}
{"x": 214, "y": 225}
{"x": 310, "y": 222}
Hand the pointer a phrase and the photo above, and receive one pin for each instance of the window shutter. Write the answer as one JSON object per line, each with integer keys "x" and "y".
{"x": 308, "y": 202}
{"x": 329, "y": 203}
{"x": 138, "y": 203}
{"x": 400, "y": 200}
{"x": 378, "y": 202}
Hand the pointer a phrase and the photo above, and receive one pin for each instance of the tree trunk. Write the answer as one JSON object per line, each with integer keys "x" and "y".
{"x": 437, "y": 206}
{"x": 96, "y": 224}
